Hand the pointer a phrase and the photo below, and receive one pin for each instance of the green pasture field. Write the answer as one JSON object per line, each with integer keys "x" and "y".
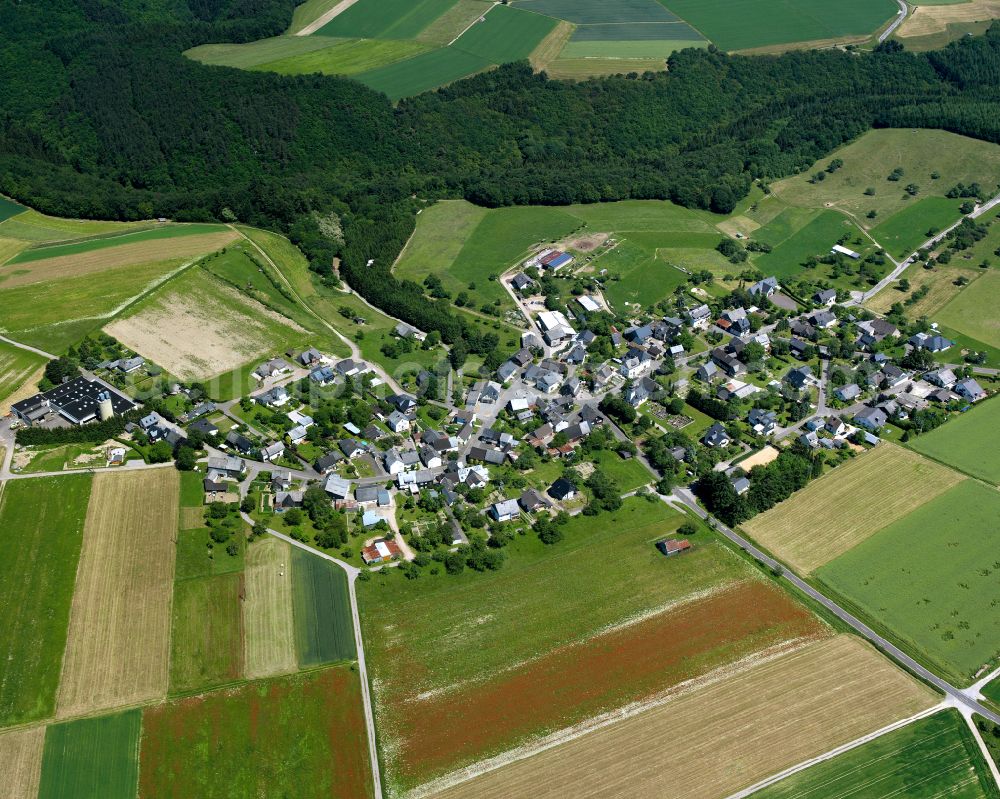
{"x": 9, "y": 208}
{"x": 385, "y": 19}
{"x": 746, "y": 24}
{"x": 506, "y": 34}
{"x": 628, "y": 216}
{"x": 992, "y": 691}
{"x": 965, "y": 342}
{"x": 423, "y": 72}
{"x": 969, "y": 442}
{"x": 61, "y": 456}
{"x": 207, "y": 637}
{"x": 580, "y": 68}
{"x": 92, "y": 758}
{"x": 643, "y": 278}
{"x": 41, "y": 527}
{"x": 263, "y": 51}
{"x": 869, "y": 160}
{"x": 301, "y": 736}
{"x": 34, "y": 226}
{"x": 622, "y": 32}
{"x": 84, "y": 303}
{"x": 905, "y": 231}
{"x": 932, "y": 578}
{"x": 471, "y": 626}
{"x": 192, "y": 490}
{"x": 347, "y": 57}
{"x": 815, "y": 238}
{"x": 596, "y": 12}
{"x": 629, "y": 474}
{"x": 16, "y": 366}
{"x": 442, "y": 230}
{"x": 196, "y": 559}
{"x": 307, "y": 12}
{"x": 974, "y": 309}
{"x": 638, "y": 48}
{"x": 321, "y": 607}
{"x": 929, "y": 758}
{"x": 152, "y": 234}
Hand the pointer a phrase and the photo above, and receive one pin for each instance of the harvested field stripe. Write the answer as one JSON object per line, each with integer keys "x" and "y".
{"x": 118, "y": 648}
{"x": 95, "y": 758}
{"x": 726, "y": 736}
{"x": 267, "y": 609}
{"x": 848, "y": 505}
{"x": 117, "y": 240}
{"x": 21, "y": 756}
{"x": 324, "y": 632}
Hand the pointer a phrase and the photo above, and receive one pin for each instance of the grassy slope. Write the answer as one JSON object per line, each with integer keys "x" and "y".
{"x": 321, "y": 610}
{"x": 386, "y": 19}
{"x": 94, "y": 758}
{"x": 932, "y": 757}
{"x": 349, "y": 57}
{"x": 506, "y": 34}
{"x": 104, "y": 242}
{"x": 253, "y": 54}
{"x": 37, "y": 227}
{"x": 42, "y": 522}
{"x": 974, "y": 310}
{"x": 906, "y": 230}
{"x": 423, "y": 72}
{"x": 932, "y": 578}
{"x": 16, "y": 366}
{"x": 969, "y": 442}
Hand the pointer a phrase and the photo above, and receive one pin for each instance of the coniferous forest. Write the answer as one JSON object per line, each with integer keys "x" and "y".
{"x": 102, "y": 116}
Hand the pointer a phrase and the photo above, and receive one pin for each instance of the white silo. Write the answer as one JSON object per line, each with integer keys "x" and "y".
{"x": 105, "y": 410}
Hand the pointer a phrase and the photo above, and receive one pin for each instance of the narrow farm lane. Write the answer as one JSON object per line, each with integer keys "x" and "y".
{"x": 900, "y": 17}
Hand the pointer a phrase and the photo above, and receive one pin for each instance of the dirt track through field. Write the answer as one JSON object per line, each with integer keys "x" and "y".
{"x": 21, "y": 762}
{"x": 715, "y": 740}
{"x": 118, "y": 648}
{"x": 267, "y": 610}
{"x": 926, "y": 20}
{"x": 853, "y": 502}
{"x": 109, "y": 258}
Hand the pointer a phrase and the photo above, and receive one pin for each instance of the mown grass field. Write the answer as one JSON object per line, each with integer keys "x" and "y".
{"x": 579, "y": 68}
{"x": 932, "y": 579}
{"x": 452, "y": 22}
{"x": 16, "y": 367}
{"x": 347, "y": 57}
{"x": 41, "y": 526}
{"x": 33, "y": 226}
{"x": 759, "y": 23}
{"x": 932, "y": 757}
{"x": 207, "y": 636}
{"x": 969, "y": 442}
{"x": 941, "y": 289}
{"x": 790, "y": 251}
{"x": 84, "y": 304}
{"x": 253, "y": 54}
{"x": 992, "y": 691}
{"x": 848, "y": 505}
{"x": 905, "y": 231}
{"x": 118, "y": 646}
{"x": 728, "y": 733}
{"x": 269, "y": 637}
{"x": 463, "y": 632}
{"x": 321, "y": 609}
{"x": 385, "y": 19}
{"x": 506, "y": 34}
{"x": 973, "y": 311}
{"x": 629, "y": 474}
{"x": 197, "y": 327}
{"x": 94, "y": 758}
{"x": 870, "y": 159}
{"x": 224, "y": 743}
{"x": 21, "y": 755}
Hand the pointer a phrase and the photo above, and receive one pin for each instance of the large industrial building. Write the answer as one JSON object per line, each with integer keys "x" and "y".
{"x": 77, "y": 401}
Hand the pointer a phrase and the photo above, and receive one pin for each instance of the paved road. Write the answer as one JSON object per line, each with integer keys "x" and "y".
{"x": 895, "y": 23}
{"x": 960, "y": 696}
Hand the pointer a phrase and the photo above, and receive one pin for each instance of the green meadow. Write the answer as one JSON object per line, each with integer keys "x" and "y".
{"x": 93, "y": 758}
{"x": 321, "y": 608}
{"x": 114, "y": 240}
{"x": 969, "y": 442}
{"x": 931, "y": 579}
{"x": 903, "y": 232}
{"x": 207, "y": 637}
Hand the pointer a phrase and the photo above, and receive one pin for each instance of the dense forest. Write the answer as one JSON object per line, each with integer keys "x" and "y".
{"x": 103, "y": 117}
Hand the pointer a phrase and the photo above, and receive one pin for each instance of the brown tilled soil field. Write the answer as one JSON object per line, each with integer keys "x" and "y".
{"x": 118, "y": 649}
{"x": 267, "y": 609}
{"x": 853, "y": 502}
{"x": 605, "y": 673}
{"x": 21, "y": 762}
{"x": 717, "y": 739}
{"x": 108, "y": 258}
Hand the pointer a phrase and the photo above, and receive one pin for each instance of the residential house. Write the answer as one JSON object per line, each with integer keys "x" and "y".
{"x": 571, "y": 387}
{"x": 735, "y": 321}
{"x": 969, "y": 389}
{"x": 716, "y": 436}
{"x": 283, "y": 500}
{"x": 323, "y": 375}
{"x": 728, "y": 362}
{"x": 522, "y": 357}
{"x": 638, "y": 335}
{"x": 737, "y": 389}
{"x": 506, "y": 371}
{"x": 505, "y": 511}
{"x": 809, "y": 439}
{"x": 337, "y": 487}
{"x": 404, "y": 403}
{"x": 561, "y": 490}
{"x": 404, "y": 330}
{"x": 699, "y": 317}
{"x": 351, "y": 448}
{"x": 310, "y": 357}
{"x": 272, "y": 451}
{"x": 429, "y": 457}
{"x": 555, "y": 327}
{"x": 273, "y": 397}
{"x": 799, "y": 377}
{"x": 802, "y": 329}
{"x": 943, "y": 378}
{"x": 871, "y": 419}
{"x": 349, "y": 367}
{"x": 226, "y": 466}
{"x": 521, "y": 282}
{"x": 381, "y": 551}
{"x": 281, "y": 480}
{"x": 129, "y": 365}
{"x": 764, "y": 288}
{"x": 531, "y": 501}
{"x": 328, "y": 462}
{"x": 799, "y": 349}
{"x": 640, "y": 391}
{"x": 825, "y": 297}
{"x": 762, "y": 421}
{"x": 835, "y": 426}
{"x": 932, "y": 342}
{"x": 847, "y": 393}
{"x": 707, "y": 372}
{"x": 873, "y": 331}
{"x": 240, "y": 442}
{"x": 298, "y": 434}
{"x": 398, "y": 422}
{"x": 272, "y": 368}
{"x": 576, "y": 355}
{"x": 823, "y": 320}
{"x": 740, "y": 485}
{"x": 204, "y": 427}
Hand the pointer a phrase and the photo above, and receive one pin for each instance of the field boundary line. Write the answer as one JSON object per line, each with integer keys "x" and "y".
{"x": 324, "y": 18}
{"x": 805, "y": 764}
{"x": 983, "y": 749}
{"x": 472, "y": 24}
